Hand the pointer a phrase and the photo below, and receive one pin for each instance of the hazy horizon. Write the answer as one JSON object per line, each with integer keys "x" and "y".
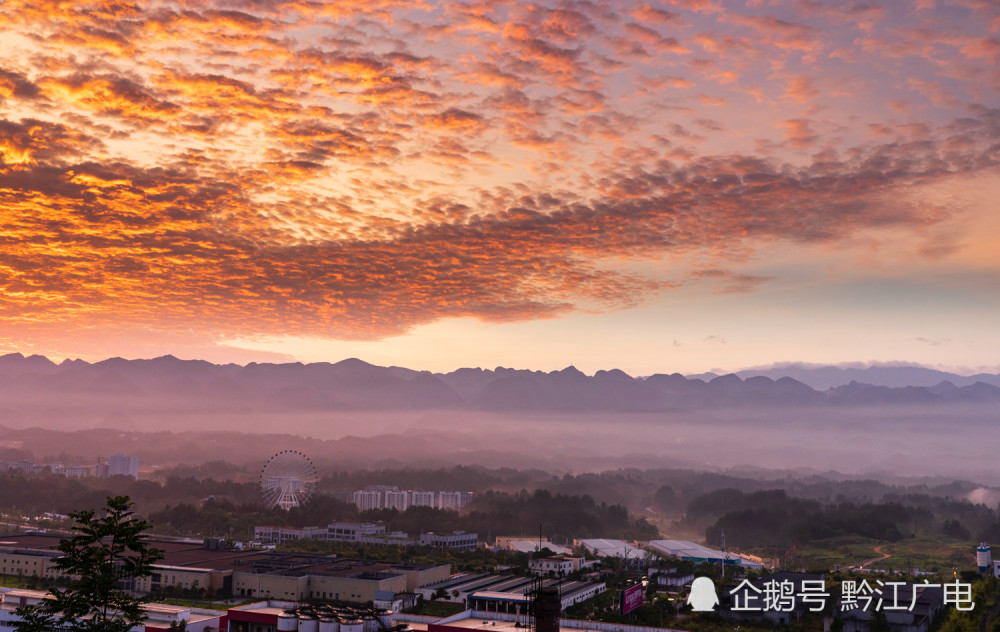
{"x": 772, "y": 366}
{"x": 902, "y": 441}
{"x": 361, "y": 415}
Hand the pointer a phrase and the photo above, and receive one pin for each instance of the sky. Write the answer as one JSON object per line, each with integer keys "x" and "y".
{"x": 658, "y": 187}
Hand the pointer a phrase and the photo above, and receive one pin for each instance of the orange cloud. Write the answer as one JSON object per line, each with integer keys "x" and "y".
{"x": 800, "y": 132}
{"x": 16, "y": 85}
{"x": 290, "y": 167}
{"x": 781, "y": 33}
{"x": 801, "y": 89}
{"x": 457, "y": 120}
{"x": 654, "y": 40}
{"x": 118, "y": 96}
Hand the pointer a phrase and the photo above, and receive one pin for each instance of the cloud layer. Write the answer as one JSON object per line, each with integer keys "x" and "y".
{"x": 268, "y": 167}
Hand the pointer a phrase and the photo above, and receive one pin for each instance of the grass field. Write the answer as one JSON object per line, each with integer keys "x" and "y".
{"x": 923, "y": 553}
{"x": 928, "y": 555}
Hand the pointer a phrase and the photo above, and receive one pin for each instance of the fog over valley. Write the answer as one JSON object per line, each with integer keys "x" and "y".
{"x": 356, "y": 415}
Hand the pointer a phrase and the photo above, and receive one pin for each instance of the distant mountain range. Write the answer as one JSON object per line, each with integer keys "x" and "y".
{"x": 356, "y": 385}
{"x": 827, "y": 377}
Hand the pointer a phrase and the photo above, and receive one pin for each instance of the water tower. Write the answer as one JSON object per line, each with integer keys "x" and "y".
{"x": 983, "y": 560}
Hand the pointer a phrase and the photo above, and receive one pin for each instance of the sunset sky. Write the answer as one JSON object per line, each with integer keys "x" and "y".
{"x": 682, "y": 186}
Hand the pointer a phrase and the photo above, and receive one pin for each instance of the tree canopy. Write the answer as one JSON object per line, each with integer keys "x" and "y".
{"x": 105, "y": 555}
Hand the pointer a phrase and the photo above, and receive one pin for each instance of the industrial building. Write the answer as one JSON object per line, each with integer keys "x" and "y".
{"x": 514, "y": 598}
{"x": 26, "y": 562}
{"x": 352, "y": 531}
{"x": 504, "y": 593}
{"x": 611, "y": 548}
{"x": 367, "y": 533}
{"x": 985, "y": 562}
{"x": 187, "y": 564}
{"x": 281, "y": 535}
{"x": 69, "y": 471}
{"x": 159, "y": 617}
{"x": 273, "y": 616}
{"x": 298, "y": 576}
{"x": 528, "y": 545}
{"x": 266, "y": 616}
{"x": 692, "y": 552}
{"x": 197, "y": 565}
{"x": 455, "y": 541}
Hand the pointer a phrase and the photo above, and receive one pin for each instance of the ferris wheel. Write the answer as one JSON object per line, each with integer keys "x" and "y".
{"x": 287, "y": 480}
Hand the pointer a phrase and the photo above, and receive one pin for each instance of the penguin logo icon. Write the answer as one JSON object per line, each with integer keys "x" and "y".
{"x": 702, "y": 597}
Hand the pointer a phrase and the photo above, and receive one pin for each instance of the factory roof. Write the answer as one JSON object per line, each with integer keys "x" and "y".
{"x": 192, "y": 555}
{"x": 697, "y": 552}
{"x": 519, "y": 592}
{"x": 176, "y": 552}
{"x": 530, "y": 546}
{"x": 458, "y": 579}
{"x": 686, "y": 550}
{"x": 300, "y": 564}
{"x": 474, "y": 582}
{"x": 475, "y": 623}
{"x": 612, "y": 548}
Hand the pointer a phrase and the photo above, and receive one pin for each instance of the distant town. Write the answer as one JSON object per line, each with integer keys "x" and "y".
{"x": 116, "y": 465}
{"x": 427, "y": 579}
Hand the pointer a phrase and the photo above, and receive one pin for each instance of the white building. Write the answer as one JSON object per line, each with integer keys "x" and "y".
{"x": 159, "y": 617}
{"x": 386, "y": 497}
{"x": 457, "y": 541}
{"x": 396, "y": 500}
{"x": 123, "y": 465}
{"x": 352, "y": 531}
{"x": 673, "y": 579}
{"x": 280, "y": 535}
{"x": 76, "y": 472}
{"x": 422, "y": 499}
{"x": 368, "y": 499}
{"x": 453, "y": 500}
{"x": 557, "y": 566}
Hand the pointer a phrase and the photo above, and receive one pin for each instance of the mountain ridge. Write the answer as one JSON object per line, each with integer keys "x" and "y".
{"x": 353, "y": 384}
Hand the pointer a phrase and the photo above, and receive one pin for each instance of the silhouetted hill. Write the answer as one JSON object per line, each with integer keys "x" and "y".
{"x": 16, "y": 364}
{"x": 352, "y": 384}
{"x": 827, "y": 377}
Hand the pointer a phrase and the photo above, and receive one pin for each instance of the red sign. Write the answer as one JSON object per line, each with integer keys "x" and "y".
{"x": 631, "y": 598}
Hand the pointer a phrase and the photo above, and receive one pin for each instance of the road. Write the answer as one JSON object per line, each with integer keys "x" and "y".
{"x": 870, "y": 561}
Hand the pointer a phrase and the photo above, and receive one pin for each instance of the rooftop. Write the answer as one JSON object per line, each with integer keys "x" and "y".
{"x": 530, "y": 546}
{"x": 176, "y": 552}
{"x": 298, "y": 564}
{"x": 686, "y": 549}
{"x": 193, "y": 555}
{"x": 612, "y": 548}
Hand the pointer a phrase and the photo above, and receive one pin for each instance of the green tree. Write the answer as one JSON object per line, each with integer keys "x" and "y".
{"x": 104, "y": 557}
